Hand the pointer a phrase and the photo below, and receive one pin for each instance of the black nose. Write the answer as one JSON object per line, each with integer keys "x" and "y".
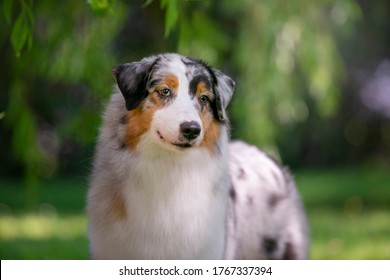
{"x": 190, "y": 130}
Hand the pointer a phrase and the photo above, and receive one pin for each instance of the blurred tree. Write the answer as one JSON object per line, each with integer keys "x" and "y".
{"x": 284, "y": 56}
{"x": 58, "y": 59}
{"x": 47, "y": 101}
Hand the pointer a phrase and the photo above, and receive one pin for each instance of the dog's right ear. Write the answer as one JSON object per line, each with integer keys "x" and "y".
{"x": 132, "y": 79}
{"x": 223, "y": 89}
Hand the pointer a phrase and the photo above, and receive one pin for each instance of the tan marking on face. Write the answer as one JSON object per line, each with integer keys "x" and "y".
{"x": 201, "y": 89}
{"x": 209, "y": 124}
{"x": 140, "y": 119}
{"x": 138, "y": 124}
{"x": 212, "y": 130}
{"x": 171, "y": 82}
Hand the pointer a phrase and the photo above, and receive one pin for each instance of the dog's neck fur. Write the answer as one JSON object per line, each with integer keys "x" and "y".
{"x": 176, "y": 201}
{"x": 160, "y": 169}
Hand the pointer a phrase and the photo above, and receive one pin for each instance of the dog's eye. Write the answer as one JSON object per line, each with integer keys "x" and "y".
{"x": 204, "y": 99}
{"x": 165, "y": 92}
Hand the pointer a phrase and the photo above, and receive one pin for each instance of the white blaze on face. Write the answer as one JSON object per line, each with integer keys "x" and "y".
{"x": 165, "y": 126}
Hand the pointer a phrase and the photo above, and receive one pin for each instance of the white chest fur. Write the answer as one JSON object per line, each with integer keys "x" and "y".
{"x": 175, "y": 207}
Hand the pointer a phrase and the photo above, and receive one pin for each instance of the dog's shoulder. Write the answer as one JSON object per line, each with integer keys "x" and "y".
{"x": 248, "y": 163}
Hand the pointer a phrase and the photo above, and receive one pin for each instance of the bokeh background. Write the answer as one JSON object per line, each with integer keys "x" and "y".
{"x": 313, "y": 89}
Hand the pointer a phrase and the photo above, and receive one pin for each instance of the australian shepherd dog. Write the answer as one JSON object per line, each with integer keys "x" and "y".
{"x": 168, "y": 184}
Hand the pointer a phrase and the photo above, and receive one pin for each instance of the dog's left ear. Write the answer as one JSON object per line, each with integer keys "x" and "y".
{"x": 223, "y": 88}
{"x": 132, "y": 79}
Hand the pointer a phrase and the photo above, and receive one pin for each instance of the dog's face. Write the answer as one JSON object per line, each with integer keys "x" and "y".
{"x": 177, "y": 101}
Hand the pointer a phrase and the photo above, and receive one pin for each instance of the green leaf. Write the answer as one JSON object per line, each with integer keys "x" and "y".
{"x": 7, "y": 10}
{"x": 147, "y": 3}
{"x": 100, "y": 6}
{"x": 19, "y": 34}
{"x": 171, "y": 14}
{"x": 30, "y": 18}
{"x": 23, "y": 28}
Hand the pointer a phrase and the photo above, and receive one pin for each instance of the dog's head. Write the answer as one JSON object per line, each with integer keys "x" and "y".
{"x": 180, "y": 102}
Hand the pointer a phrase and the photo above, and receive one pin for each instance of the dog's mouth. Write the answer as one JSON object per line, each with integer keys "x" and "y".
{"x": 183, "y": 145}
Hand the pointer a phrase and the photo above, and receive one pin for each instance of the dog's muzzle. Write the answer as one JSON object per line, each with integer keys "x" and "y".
{"x": 190, "y": 130}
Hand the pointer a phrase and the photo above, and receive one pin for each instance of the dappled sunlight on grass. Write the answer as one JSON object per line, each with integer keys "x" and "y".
{"x": 54, "y": 229}
{"x": 341, "y": 236}
{"x": 38, "y": 227}
{"x": 348, "y": 211}
{"x": 32, "y": 236}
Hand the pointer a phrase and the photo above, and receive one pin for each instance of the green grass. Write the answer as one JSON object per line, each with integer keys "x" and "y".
{"x": 33, "y": 236}
{"x": 348, "y": 211}
{"x": 51, "y": 225}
